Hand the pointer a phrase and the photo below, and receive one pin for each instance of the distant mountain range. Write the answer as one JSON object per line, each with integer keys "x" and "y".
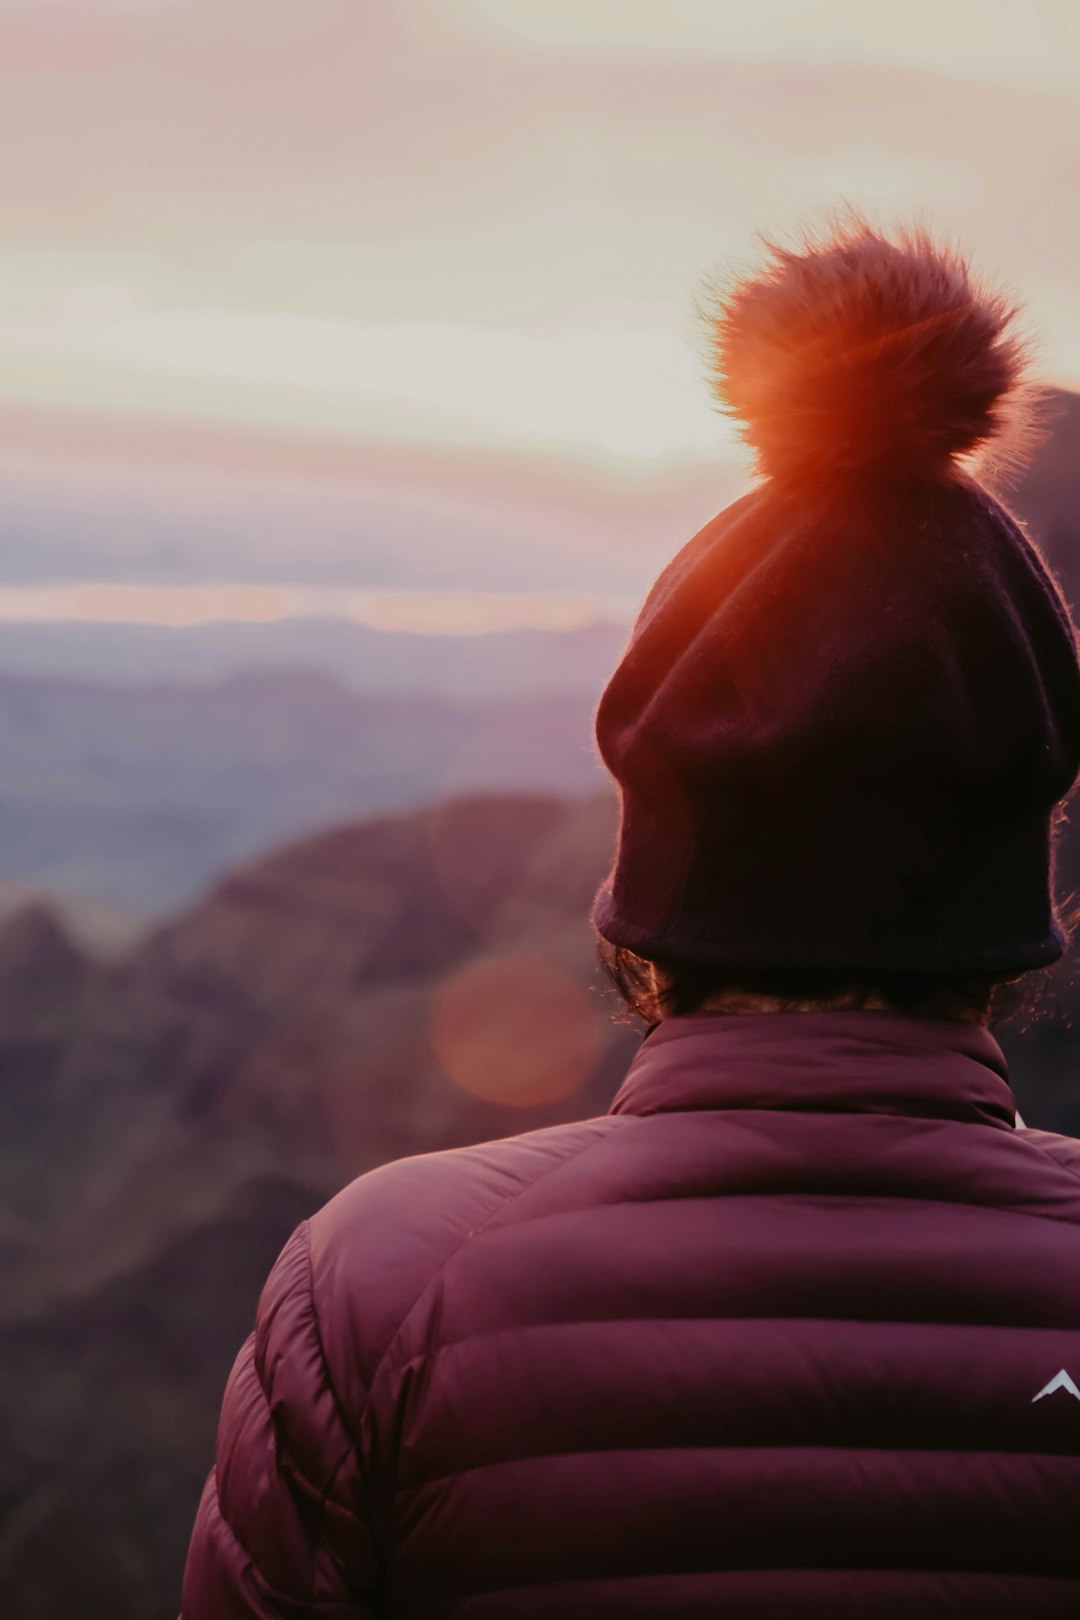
{"x": 138, "y": 795}
{"x": 142, "y": 762}
{"x": 522, "y": 662}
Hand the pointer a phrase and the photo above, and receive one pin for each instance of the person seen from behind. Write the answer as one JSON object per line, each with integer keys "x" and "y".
{"x": 792, "y": 1332}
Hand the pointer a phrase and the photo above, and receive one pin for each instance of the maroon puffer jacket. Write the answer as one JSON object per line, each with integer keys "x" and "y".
{"x": 793, "y": 1331}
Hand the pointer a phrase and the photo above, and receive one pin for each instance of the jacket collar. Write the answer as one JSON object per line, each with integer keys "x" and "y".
{"x": 854, "y": 1060}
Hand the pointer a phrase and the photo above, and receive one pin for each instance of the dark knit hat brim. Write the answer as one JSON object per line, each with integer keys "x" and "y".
{"x": 994, "y": 918}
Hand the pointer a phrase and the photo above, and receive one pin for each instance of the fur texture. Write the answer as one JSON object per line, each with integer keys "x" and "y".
{"x": 857, "y": 350}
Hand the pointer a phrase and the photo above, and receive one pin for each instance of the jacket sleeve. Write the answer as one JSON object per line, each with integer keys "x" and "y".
{"x": 281, "y": 1532}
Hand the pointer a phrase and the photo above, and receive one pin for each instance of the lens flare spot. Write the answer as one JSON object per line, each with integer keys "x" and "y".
{"x": 515, "y": 1030}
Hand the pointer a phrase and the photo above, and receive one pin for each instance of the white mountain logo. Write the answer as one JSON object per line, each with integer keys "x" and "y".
{"x": 1060, "y": 1380}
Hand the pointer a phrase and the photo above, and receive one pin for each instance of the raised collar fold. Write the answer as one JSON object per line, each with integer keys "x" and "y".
{"x": 854, "y": 1060}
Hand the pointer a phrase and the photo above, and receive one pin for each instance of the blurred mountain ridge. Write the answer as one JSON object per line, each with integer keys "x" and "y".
{"x": 134, "y": 797}
{"x": 521, "y": 661}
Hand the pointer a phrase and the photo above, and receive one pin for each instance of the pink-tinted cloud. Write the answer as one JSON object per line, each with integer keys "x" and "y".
{"x": 156, "y": 503}
{"x": 518, "y": 170}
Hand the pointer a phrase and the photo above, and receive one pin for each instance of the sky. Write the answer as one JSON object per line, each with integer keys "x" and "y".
{"x": 314, "y": 307}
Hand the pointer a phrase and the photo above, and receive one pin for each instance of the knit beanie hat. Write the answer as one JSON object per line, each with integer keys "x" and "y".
{"x": 851, "y": 703}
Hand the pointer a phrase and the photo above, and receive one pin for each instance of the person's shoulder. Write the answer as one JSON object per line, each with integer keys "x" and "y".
{"x": 378, "y": 1243}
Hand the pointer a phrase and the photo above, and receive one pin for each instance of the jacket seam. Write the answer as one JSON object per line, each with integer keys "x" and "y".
{"x": 351, "y": 1447}
{"x": 439, "y": 1604}
{"x": 276, "y": 1593}
{"x": 845, "y": 1446}
{"x": 282, "y": 1449}
{"x": 979, "y": 1325}
{"x": 804, "y": 1106}
{"x": 505, "y": 1203}
{"x": 321, "y": 1493}
{"x": 1008, "y": 1211}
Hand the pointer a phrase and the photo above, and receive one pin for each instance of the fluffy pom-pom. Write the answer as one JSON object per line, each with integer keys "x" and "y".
{"x": 860, "y": 350}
